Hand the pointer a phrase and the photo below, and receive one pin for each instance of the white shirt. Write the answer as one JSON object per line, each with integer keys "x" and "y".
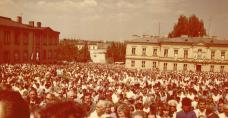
{"x": 194, "y": 104}
{"x": 222, "y": 115}
{"x": 93, "y": 115}
{"x": 216, "y": 97}
{"x": 199, "y": 113}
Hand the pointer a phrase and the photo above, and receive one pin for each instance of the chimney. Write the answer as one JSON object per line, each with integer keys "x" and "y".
{"x": 19, "y": 19}
{"x": 39, "y": 24}
{"x": 31, "y": 23}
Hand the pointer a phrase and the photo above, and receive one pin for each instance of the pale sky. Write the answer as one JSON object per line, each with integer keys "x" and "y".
{"x": 117, "y": 19}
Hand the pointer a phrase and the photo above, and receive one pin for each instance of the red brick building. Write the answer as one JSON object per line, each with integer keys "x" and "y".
{"x": 27, "y": 43}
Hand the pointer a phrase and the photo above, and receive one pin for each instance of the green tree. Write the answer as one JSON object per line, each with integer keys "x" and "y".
{"x": 84, "y": 54}
{"x": 67, "y": 51}
{"x": 191, "y": 26}
{"x": 116, "y": 52}
{"x": 196, "y": 27}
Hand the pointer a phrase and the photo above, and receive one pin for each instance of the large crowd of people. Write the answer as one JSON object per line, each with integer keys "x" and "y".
{"x": 88, "y": 90}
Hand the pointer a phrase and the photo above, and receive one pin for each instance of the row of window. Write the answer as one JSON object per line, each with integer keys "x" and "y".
{"x": 25, "y": 35}
{"x": 185, "y": 67}
{"x": 51, "y": 39}
{"x": 17, "y": 56}
{"x": 165, "y": 65}
{"x": 166, "y": 51}
{"x": 143, "y": 64}
{"x": 221, "y": 68}
{"x": 143, "y": 51}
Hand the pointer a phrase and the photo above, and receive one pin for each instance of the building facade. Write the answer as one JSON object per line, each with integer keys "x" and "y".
{"x": 27, "y": 43}
{"x": 177, "y": 54}
{"x": 97, "y": 49}
{"x": 98, "y": 52}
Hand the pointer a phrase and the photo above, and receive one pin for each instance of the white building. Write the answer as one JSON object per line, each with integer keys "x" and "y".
{"x": 178, "y": 54}
{"x": 98, "y": 52}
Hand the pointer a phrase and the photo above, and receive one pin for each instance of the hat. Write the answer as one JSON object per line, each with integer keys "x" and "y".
{"x": 172, "y": 103}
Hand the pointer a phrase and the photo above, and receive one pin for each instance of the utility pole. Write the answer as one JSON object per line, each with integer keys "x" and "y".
{"x": 159, "y": 29}
{"x": 209, "y": 26}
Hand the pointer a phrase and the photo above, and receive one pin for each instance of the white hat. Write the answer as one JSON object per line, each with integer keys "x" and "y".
{"x": 172, "y": 103}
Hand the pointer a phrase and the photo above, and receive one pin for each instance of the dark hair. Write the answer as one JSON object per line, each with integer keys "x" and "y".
{"x": 139, "y": 106}
{"x": 201, "y": 100}
{"x": 86, "y": 94}
{"x": 63, "y": 110}
{"x": 186, "y": 101}
{"x": 14, "y": 105}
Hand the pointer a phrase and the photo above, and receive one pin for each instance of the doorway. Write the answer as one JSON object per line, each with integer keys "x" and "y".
{"x": 198, "y": 68}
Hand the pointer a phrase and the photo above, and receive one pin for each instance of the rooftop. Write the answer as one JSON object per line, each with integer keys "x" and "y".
{"x": 8, "y": 22}
{"x": 185, "y": 40}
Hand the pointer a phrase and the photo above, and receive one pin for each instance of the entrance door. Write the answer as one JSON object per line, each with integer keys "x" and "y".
{"x": 198, "y": 68}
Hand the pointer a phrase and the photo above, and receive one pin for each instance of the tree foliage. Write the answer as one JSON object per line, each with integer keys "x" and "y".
{"x": 67, "y": 51}
{"x": 191, "y": 26}
{"x": 83, "y": 54}
{"x": 116, "y": 52}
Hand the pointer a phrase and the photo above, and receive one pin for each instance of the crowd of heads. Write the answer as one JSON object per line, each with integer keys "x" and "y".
{"x": 88, "y": 90}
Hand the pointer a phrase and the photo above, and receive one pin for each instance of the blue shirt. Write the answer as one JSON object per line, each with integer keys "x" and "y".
{"x": 182, "y": 114}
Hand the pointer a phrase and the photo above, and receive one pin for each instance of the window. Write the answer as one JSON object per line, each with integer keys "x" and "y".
{"x": 165, "y": 67}
{"x": 143, "y": 64}
{"x": 25, "y": 55}
{"x": 53, "y": 40}
{"x": 16, "y": 56}
{"x": 44, "y": 54}
{"x": 143, "y": 51}
{"x": 223, "y": 55}
{"x": 199, "y": 54}
{"x": 133, "y": 63}
{"x": 133, "y": 51}
{"x": 44, "y": 39}
{"x": 212, "y": 68}
{"x": 185, "y": 67}
{"x": 185, "y": 53}
{"x": 175, "y": 67}
{"x": 6, "y": 56}
{"x": 175, "y": 53}
{"x": 50, "y": 54}
{"x": 212, "y": 54}
{"x": 56, "y": 41}
{"x": 50, "y": 40}
{"x": 222, "y": 69}
{"x": 25, "y": 38}
{"x": 17, "y": 38}
{"x": 55, "y": 54}
{"x": 166, "y": 53}
{"x": 154, "y": 64}
{"x": 37, "y": 37}
{"x": 6, "y": 37}
{"x": 155, "y": 52}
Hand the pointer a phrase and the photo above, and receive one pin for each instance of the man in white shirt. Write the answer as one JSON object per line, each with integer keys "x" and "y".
{"x": 216, "y": 96}
{"x": 100, "y": 110}
{"x": 201, "y": 111}
{"x": 220, "y": 109}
